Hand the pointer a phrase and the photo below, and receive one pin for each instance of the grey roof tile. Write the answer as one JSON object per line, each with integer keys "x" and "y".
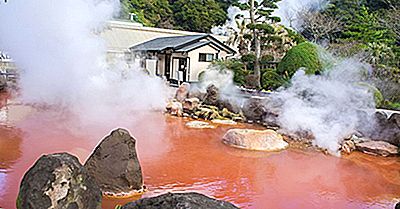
{"x": 159, "y": 44}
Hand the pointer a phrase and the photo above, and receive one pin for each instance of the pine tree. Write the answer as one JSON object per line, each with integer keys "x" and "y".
{"x": 261, "y": 20}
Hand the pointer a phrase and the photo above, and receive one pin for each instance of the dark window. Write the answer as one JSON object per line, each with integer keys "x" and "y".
{"x": 206, "y": 57}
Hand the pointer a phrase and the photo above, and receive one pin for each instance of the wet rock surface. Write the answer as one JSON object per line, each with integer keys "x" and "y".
{"x": 179, "y": 201}
{"x": 261, "y": 140}
{"x": 254, "y": 109}
{"x": 190, "y": 105}
{"x": 377, "y": 148}
{"x": 3, "y": 83}
{"x": 183, "y": 92}
{"x": 58, "y": 181}
{"x": 199, "y": 125}
{"x": 387, "y": 128}
{"x": 212, "y": 96}
{"x": 175, "y": 108}
{"x": 114, "y": 164}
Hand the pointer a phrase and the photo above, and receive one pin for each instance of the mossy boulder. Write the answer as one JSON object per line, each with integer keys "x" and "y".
{"x": 58, "y": 181}
{"x": 304, "y": 55}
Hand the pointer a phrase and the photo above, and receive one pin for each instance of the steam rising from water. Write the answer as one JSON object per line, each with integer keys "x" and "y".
{"x": 331, "y": 106}
{"x": 63, "y": 60}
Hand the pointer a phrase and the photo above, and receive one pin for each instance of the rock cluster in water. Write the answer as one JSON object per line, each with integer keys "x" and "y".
{"x": 61, "y": 181}
{"x": 207, "y": 106}
{"x": 179, "y": 201}
{"x": 263, "y": 110}
{"x": 58, "y": 181}
{"x": 383, "y": 141}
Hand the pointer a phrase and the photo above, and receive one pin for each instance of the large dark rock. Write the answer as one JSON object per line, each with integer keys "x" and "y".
{"x": 386, "y": 129}
{"x": 395, "y": 119}
{"x": 58, "y": 181}
{"x": 179, "y": 201}
{"x": 114, "y": 164}
{"x": 255, "y": 109}
{"x": 212, "y": 96}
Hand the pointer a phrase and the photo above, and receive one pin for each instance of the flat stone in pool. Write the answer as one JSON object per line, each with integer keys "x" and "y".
{"x": 260, "y": 140}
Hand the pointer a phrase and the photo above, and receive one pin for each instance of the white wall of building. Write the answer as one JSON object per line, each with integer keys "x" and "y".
{"x": 196, "y": 67}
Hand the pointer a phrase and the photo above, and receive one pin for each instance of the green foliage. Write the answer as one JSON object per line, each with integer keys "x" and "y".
{"x": 19, "y": 202}
{"x": 392, "y": 105}
{"x": 193, "y": 15}
{"x": 295, "y": 36}
{"x": 157, "y": 13}
{"x": 198, "y": 15}
{"x": 303, "y": 55}
{"x": 365, "y": 28}
{"x": 272, "y": 80}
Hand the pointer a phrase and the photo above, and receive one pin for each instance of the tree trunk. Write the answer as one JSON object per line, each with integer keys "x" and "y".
{"x": 257, "y": 46}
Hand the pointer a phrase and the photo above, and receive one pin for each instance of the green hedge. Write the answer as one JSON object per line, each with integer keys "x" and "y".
{"x": 303, "y": 55}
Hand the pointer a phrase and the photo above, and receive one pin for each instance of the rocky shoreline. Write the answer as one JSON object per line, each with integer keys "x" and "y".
{"x": 113, "y": 170}
{"x": 258, "y": 109}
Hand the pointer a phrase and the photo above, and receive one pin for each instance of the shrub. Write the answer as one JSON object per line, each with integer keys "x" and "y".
{"x": 303, "y": 55}
{"x": 271, "y": 80}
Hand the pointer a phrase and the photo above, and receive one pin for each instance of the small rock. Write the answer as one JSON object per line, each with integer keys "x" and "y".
{"x": 224, "y": 122}
{"x": 397, "y": 206}
{"x": 58, "y": 181}
{"x": 183, "y": 92}
{"x": 348, "y": 146}
{"x": 199, "y": 125}
{"x": 266, "y": 140}
{"x": 377, "y": 148}
{"x": 190, "y": 105}
{"x": 208, "y": 112}
{"x": 3, "y": 83}
{"x": 175, "y": 108}
{"x": 179, "y": 201}
{"x": 228, "y": 114}
{"x": 238, "y": 119}
{"x": 115, "y": 166}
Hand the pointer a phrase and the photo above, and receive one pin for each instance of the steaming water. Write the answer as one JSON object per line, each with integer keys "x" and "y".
{"x": 63, "y": 61}
{"x": 175, "y": 158}
{"x": 331, "y": 106}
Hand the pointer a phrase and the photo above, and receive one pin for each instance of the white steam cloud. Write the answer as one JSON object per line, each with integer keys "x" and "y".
{"x": 289, "y": 12}
{"x": 331, "y": 106}
{"x": 63, "y": 60}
